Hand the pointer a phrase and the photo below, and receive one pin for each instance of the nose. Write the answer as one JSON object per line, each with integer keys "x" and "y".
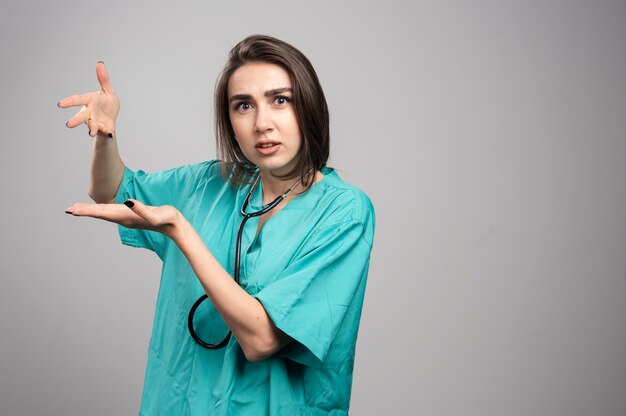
{"x": 263, "y": 122}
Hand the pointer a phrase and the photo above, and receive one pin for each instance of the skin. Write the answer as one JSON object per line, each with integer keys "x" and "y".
{"x": 261, "y": 111}
{"x": 256, "y": 115}
{"x": 99, "y": 111}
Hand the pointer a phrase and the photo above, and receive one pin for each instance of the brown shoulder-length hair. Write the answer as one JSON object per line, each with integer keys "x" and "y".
{"x": 308, "y": 101}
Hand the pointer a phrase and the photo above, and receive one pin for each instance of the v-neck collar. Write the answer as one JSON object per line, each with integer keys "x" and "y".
{"x": 256, "y": 200}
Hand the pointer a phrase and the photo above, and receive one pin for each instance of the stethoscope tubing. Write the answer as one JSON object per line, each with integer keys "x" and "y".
{"x": 246, "y": 217}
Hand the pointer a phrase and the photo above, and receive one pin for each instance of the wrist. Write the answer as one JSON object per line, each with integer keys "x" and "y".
{"x": 100, "y": 135}
{"x": 178, "y": 228}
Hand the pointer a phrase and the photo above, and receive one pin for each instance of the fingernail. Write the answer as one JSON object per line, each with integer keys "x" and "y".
{"x": 129, "y": 203}
{"x": 110, "y": 135}
{"x": 100, "y": 62}
{"x": 59, "y": 104}
{"x": 67, "y": 212}
{"x": 66, "y": 124}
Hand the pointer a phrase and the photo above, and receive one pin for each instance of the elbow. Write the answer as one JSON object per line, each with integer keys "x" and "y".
{"x": 259, "y": 349}
{"x": 93, "y": 197}
{"x": 254, "y": 357}
{"x": 98, "y": 199}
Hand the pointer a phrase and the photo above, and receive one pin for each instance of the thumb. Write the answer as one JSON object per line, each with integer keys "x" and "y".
{"x": 103, "y": 77}
{"x": 156, "y": 218}
{"x": 139, "y": 209}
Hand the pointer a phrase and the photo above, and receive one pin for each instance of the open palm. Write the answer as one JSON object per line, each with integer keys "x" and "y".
{"x": 131, "y": 214}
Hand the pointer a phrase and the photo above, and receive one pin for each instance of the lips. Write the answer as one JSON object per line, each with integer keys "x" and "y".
{"x": 267, "y": 147}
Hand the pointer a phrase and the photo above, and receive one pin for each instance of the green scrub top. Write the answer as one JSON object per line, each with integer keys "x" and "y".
{"x": 307, "y": 266}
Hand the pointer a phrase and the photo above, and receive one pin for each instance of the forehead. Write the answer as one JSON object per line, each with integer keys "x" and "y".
{"x": 256, "y": 78}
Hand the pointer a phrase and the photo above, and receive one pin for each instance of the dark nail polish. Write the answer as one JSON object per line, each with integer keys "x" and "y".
{"x": 66, "y": 124}
{"x": 110, "y": 135}
{"x": 129, "y": 203}
{"x": 100, "y": 62}
{"x": 59, "y": 104}
{"x": 67, "y": 212}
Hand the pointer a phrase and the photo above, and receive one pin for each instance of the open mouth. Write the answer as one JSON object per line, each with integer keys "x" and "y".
{"x": 267, "y": 148}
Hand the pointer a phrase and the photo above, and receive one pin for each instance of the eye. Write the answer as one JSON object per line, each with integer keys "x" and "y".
{"x": 282, "y": 100}
{"x": 243, "y": 106}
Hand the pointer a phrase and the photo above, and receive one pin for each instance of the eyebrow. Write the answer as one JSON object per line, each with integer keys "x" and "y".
{"x": 268, "y": 93}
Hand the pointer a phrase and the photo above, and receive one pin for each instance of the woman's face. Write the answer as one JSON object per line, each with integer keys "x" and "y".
{"x": 262, "y": 115}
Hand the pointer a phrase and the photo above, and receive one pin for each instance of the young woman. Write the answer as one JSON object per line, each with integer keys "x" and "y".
{"x": 287, "y": 281}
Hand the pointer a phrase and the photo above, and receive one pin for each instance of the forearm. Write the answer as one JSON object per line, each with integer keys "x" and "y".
{"x": 244, "y": 315}
{"x": 107, "y": 170}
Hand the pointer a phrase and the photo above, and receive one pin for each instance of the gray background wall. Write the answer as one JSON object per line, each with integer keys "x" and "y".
{"x": 490, "y": 135}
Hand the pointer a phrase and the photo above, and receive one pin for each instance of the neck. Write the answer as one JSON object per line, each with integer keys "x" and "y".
{"x": 273, "y": 186}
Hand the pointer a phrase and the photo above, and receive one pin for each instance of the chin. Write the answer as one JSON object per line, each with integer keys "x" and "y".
{"x": 274, "y": 165}
{"x": 276, "y": 169}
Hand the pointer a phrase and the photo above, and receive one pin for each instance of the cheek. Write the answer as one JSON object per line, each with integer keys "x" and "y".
{"x": 238, "y": 125}
{"x": 233, "y": 121}
{"x": 294, "y": 128}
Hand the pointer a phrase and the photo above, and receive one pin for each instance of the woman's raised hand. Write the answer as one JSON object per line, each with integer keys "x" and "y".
{"x": 99, "y": 109}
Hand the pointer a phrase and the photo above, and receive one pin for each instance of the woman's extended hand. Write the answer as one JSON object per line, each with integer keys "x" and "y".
{"x": 100, "y": 109}
{"x": 132, "y": 214}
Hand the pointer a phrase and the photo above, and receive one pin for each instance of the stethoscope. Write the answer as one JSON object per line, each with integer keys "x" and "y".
{"x": 246, "y": 217}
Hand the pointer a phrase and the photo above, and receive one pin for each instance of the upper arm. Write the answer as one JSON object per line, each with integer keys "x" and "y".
{"x": 312, "y": 297}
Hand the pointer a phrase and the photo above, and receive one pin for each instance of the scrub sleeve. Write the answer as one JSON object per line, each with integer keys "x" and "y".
{"x": 310, "y": 299}
{"x": 167, "y": 187}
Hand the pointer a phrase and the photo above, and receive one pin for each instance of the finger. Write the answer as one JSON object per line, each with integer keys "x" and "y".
{"x": 103, "y": 78}
{"x": 93, "y": 126}
{"x": 142, "y": 210}
{"x": 74, "y": 100}
{"x": 116, "y": 213}
{"x": 74, "y": 208}
{"x": 96, "y": 210}
{"x": 79, "y": 118}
